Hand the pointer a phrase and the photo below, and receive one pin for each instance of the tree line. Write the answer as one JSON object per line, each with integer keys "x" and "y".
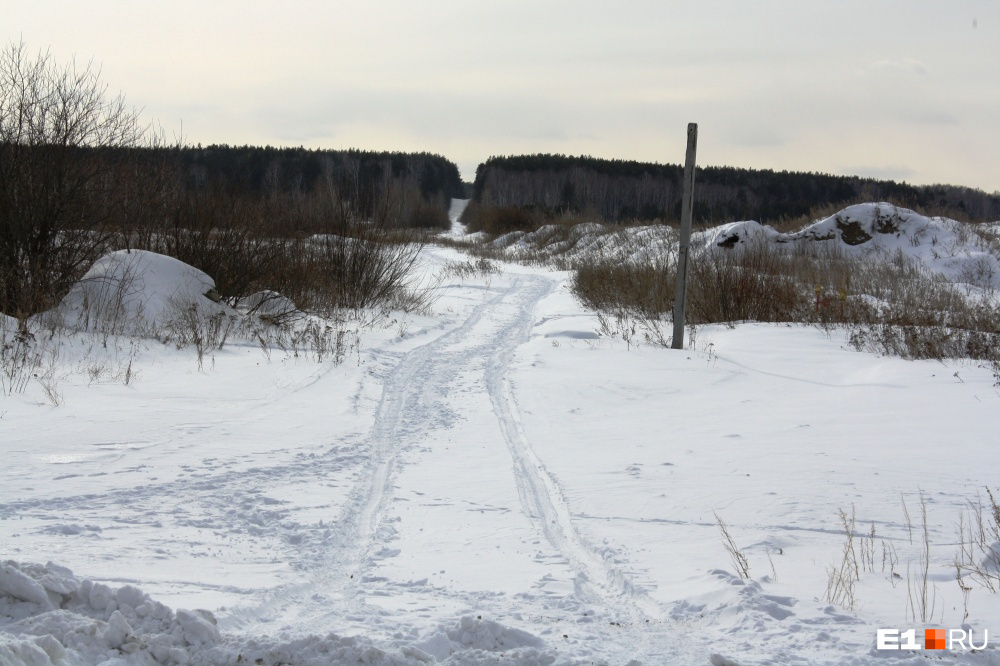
{"x": 623, "y": 191}
{"x": 269, "y": 171}
{"x": 81, "y": 174}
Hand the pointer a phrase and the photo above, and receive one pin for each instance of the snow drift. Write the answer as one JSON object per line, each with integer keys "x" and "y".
{"x": 49, "y": 616}
{"x": 962, "y": 252}
{"x": 136, "y": 292}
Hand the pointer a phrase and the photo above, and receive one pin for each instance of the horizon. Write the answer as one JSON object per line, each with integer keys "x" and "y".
{"x": 857, "y": 89}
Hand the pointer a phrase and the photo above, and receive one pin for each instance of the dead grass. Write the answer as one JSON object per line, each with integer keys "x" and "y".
{"x": 888, "y": 304}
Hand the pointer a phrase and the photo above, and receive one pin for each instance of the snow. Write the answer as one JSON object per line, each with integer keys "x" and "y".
{"x": 493, "y": 482}
{"x": 455, "y": 211}
{"x": 876, "y": 230}
{"x": 136, "y": 293}
{"x": 941, "y": 245}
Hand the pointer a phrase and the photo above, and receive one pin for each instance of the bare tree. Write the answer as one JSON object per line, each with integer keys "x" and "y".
{"x": 67, "y": 174}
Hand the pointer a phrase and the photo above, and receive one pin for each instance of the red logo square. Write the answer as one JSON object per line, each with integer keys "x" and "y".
{"x": 933, "y": 639}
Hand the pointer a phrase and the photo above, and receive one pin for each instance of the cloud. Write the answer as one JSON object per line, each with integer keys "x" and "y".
{"x": 901, "y": 65}
{"x": 928, "y": 117}
{"x": 754, "y": 137}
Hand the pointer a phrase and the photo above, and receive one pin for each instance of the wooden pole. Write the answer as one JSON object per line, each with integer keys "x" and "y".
{"x": 687, "y": 209}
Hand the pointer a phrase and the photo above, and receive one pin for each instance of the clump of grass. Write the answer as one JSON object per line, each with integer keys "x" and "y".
{"x": 979, "y": 543}
{"x": 189, "y": 325}
{"x": 20, "y": 355}
{"x": 479, "y": 267}
{"x": 842, "y": 577}
{"x": 738, "y": 557}
{"x": 630, "y": 297}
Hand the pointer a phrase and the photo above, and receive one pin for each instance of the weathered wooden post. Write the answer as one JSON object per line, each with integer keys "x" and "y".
{"x": 687, "y": 209}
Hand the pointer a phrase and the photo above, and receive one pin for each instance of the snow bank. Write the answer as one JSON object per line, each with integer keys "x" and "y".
{"x": 734, "y": 233}
{"x": 132, "y": 292}
{"x": 961, "y": 252}
{"x": 269, "y": 304}
{"x": 950, "y": 248}
{"x": 588, "y": 242}
{"x": 943, "y": 245}
{"x": 49, "y": 616}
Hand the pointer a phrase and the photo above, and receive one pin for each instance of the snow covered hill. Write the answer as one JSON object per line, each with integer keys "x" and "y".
{"x": 495, "y": 483}
{"x": 968, "y": 254}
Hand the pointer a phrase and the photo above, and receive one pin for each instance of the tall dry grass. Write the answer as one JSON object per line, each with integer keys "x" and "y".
{"x": 888, "y": 304}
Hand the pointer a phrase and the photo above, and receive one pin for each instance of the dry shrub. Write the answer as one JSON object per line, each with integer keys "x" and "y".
{"x": 249, "y": 245}
{"x": 67, "y": 150}
{"x": 609, "y": 286}
{"x": 358, "y": 272}
{"x": 423, "y": 215}
{"x": 499, "y": 220}
{"x": 746, "y": 283}
{"x": 226, "y": 236}
{"x": 481, "y": 267}
{"x": 889, "y": 303}
{"x": 20, "y": 356}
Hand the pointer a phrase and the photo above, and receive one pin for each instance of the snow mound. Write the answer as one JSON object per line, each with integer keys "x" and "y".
{"x": 734, "y": 233}
{"x": 56, "y": 618}
{"x": 948, "y": 247}
{"x": 49, "y": 616}
{"x": 131, "y": 292}
{"x": 506, "y": 240}
{"x": 961, "y": 252}
{"x": 268, "y": 304}
{"x": 862, "y": 223}
{"x": 590, "y": 241}
{"x": 476, "y": 237}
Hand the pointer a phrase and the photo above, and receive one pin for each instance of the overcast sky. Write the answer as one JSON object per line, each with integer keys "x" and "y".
{"x": 908, "y": 89}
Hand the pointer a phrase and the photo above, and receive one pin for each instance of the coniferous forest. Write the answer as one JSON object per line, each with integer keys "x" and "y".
{"x": 619, "y": 191}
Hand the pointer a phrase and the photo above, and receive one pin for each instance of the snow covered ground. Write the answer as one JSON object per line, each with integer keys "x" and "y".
{"x": 491, "y": 483}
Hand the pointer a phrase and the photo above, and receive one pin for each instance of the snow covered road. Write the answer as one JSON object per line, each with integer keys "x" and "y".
{"x": 491, "y": 483}
{"x": 454, "y": 513}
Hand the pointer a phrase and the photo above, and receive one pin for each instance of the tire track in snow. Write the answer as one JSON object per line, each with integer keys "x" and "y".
{"x": 541, "y": 497}
{"x": 337, "y": 576}
{"x": 401, "y": 413}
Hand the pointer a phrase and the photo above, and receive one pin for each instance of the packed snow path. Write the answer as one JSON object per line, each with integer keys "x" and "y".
{"x": 450, "y": 471}
{"x": 428, "y": 506}
{"x": 494, "y": 477}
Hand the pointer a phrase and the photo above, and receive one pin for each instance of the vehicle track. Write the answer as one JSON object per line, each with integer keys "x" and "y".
{"x": 334, "y": 587}
{"x": 541, "y": 496}
{"x": 406, "y": 414}
{"x": 334, "y": 558}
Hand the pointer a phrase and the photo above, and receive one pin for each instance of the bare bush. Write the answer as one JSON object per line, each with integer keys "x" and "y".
{"x": 20, "y": 356}
{"x": 749, "y": 283}
{"x": 254, "y": 245}
{"x": 499, "y": 220}
{"x": 61, "y": 174}
{"x": 187, "y": 324}
{"x": 227, "y": 236}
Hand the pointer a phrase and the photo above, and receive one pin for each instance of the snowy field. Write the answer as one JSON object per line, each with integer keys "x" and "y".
{"x": 492, "y": 483}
